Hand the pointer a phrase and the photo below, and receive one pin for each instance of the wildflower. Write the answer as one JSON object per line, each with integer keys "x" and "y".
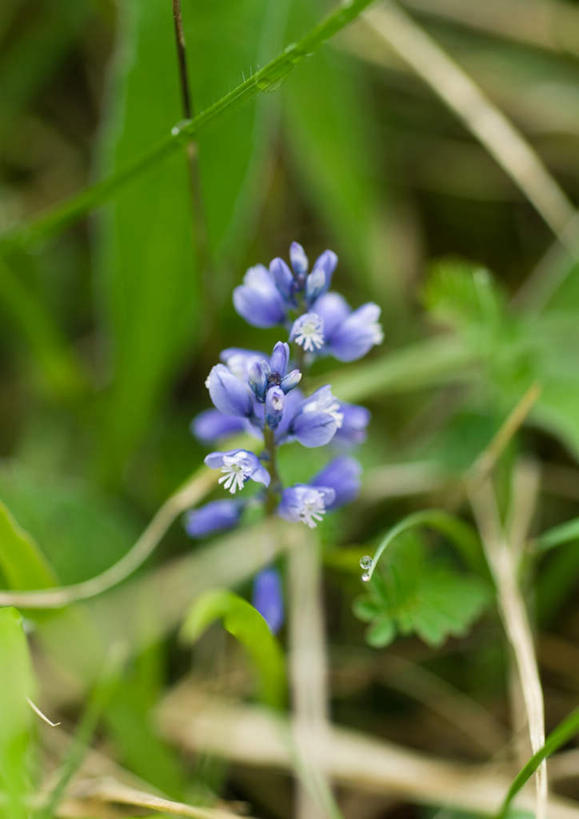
{"x": 348, "y": 335}
{"x": 352, "y": 430}
{"x": 317, "y": 419}
{"x": 229, "y": 393}
{"x": 268, "y": 598}
{"x": 308, "y": 332}
{"x": 304, "y": 503}
{"x": 258, "y": 300}
{"x": 213, "y": 517}
{"x": 237, "y": 466}
{"x": 211, "y": 425}
{"x": 343, "y": 476}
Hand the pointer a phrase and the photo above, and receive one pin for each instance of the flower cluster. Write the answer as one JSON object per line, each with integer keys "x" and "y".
{"x": 262, "y": 395}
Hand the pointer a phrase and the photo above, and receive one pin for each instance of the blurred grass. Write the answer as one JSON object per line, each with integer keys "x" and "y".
{"x": 107, "y": 332}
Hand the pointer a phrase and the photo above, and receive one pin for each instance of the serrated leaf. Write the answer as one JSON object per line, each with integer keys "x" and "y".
{"x": 410, "y": 595}
{"x": 16, "y": 685}
{"x": 247, "y": 625}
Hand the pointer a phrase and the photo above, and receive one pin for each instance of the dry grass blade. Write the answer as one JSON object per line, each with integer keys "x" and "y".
{"x": 309, "y": 677}
{"x": 490, "y": 126}
{"x": 503, "y": 565}
{"x": 108, "y": 791}
{"x": 249, "y": 735}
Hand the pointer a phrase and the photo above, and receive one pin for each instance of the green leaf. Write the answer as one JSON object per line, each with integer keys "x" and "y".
{"x": 81, "y": 530}
{"x": 22, "y": 564}
{"x": 562, "y": 734}
{"x": 147, "y": 268}
{"x": 16, "y": 686}
{"x": 244, "y": 34}
{"x": 411, "y": 595}
{"x": 247, "y": 625}
{"x": 564, "y": 533}
{"x": 335, "y": 153}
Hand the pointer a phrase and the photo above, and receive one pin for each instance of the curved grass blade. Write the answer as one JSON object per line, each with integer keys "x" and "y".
{"x": 558, "y": 535}
{"x": 461, "y": 534}
{"x": 562, "y": 733}
{"x": 265, "y": 79}
{"x": 21, "y": 562}
{"x": 247, "y": 625}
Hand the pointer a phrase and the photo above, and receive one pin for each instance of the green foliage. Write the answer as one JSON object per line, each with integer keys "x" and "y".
{"x": 562, "y": 734}
{"x": 22, "y": 564}
{"x": 409, "y": 594}
{"x": 564, "y": 533}
{"x": 245, "y": 34}
{"x": 247, "y": 625}
{"x": 513, "y": 350}
{"x": 16, "y": 685}
{"x": 332, "y": 138}
{"x": 147, "y": 273}
{"x": 81, "y": 531}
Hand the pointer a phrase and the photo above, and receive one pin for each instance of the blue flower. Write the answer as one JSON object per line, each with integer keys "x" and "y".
{"x": 230, "y": 394}
{"x": 305, "y": 504}
{"x": 213, "y": 517}
{"x": 343, "y": 476}
{"x": 298, "y": 259}
{"x": 274, "y": 404}
{"x": 268, "y": 598}
{"x": 348, "y": 335}
{"x": 352, "y": 431}
{"x": 211, "y": 425}
{"x": 317, "y": 419}
{"x": 308, "y": 332}
{"x": 238, "y": 466}
{"x": 319, "y": 280}
{"x": 258, "y": 300}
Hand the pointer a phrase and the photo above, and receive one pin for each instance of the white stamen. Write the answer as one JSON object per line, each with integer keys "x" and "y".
{"x": 236, "y": 469}
{"x": 309, "y": 332}
{"x": 312, "y": 509}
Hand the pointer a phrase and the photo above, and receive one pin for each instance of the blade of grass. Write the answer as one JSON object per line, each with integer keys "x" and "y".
{"x": 97, "y": 703}
{"x": 558, "y": 535}
{"x": 265, "y": 79}
{"x": 562, "y": 734}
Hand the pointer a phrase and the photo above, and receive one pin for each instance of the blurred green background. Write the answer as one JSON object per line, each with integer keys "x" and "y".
{"x": 109, "y": 327}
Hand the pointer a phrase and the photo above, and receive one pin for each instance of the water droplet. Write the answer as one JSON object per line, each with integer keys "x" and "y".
{"x": 365, "y": 577}
{"x": 366, "y": 563}
{"x": 175, "y": 130}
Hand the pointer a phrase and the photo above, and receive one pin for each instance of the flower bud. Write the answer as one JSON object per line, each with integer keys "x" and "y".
{"x": 274, "y": 403}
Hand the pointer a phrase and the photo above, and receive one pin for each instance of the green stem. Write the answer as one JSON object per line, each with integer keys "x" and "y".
{"x": 272, "y": 496}
{"x": 265, "y": 79}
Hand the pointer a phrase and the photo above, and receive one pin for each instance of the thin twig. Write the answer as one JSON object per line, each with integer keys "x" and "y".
{"x": 61, "y": 596}
{"x": 490, "y": 126}
{"x": 513, "y": 613}
{"x": 266, "y": 78}
{"x": 309, "y": 678}
{"x": 250, "y": 735}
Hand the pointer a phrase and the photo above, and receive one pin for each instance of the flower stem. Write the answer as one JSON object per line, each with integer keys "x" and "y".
{"x": 275, "y": 484}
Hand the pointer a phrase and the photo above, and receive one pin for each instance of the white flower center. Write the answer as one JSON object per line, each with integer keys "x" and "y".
{"x": 312, "y": 508}
{"x": 310, "y": 333}
{"x": 236, "y": 469}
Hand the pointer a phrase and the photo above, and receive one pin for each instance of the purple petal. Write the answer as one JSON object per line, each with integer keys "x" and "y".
{"x": 211, "y": 425}
{"x": 279, "y": 358}
{"x": 258, "y": 300}
{"x": 213, "y": 517}
{"x": 355, "y": 419}
{"x": 274, "y": 404}
{"x": 305, "y": 503}
{"x": 315, "y": 428}
{"x": 268, "y": 598}
{"x": 298, "y": 259}
{"x": 343, "y": 476}
{"x": 283, "y": 278}
{"x": 333, "y": 309}
{"x": 357, "y": 334}
{"x": 230, "y": 395}
{"x": 319, "y": 280}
